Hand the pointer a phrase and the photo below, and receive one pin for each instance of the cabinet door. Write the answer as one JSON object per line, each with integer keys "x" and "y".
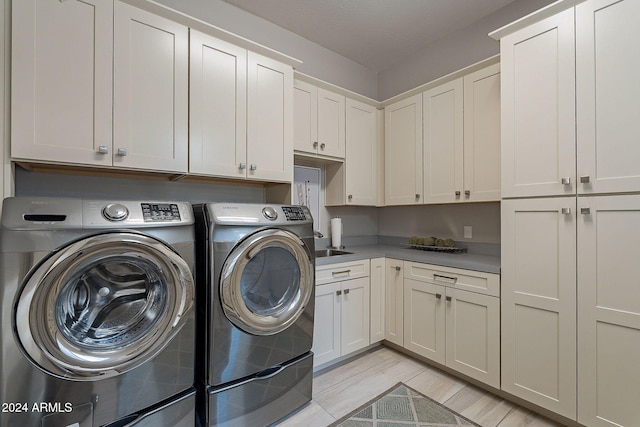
{"x": 473, "y": 335}
{"x": 217, "y": 107}
{"x": 607, "y": 91}
{"x": 538, "y": 108}
{"x": 442, "y": 143}
{"x": 424, "y": 319}
{"x": 394, "y": 302}
{"x": 355, "y": 315}
{"x": 270, "y": 117}
{"x": 326, "y": 324}
{"x": 150, "y": 109}
{"x": 61, "y": 81}
{"x": 361, "y": 154}
{"x": 331, "y": 119}
{"x": 482, "y": 135}
{"x": 539, "y": 302}
{"x": 305, "y": 117}
{"x": 608, "y": 311}
{"x": 377, "y": 293}
{"x": 403, "y": 152}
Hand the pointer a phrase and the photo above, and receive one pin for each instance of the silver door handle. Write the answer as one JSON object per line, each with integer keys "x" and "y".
{"x": 335, "y": 273}
{"x": 122, "y": 152}
{"x": 350, "y": 197}
{"x": 397, "y": 267}
{"x": 242, "y": 166}
{"x": 315, "y": 144}
{"x": 103, "y": 149}
{"x": 584, "y": 179}
{"x": 566, "y": 180}
{"x": 467, "y": 193}
{"x": 435, "y": 276}
{"x": 457, "y": 194}
{"x": 253, "y": 166}
{"x": 346, "y": 291}
{"x": 448, "y": 298}
{"x": 566, "y": 211}
{"x": 322, "y": 146}
{"x": 585, "y": 211}
{"x": 338, "y": 293}
{"x": 417, "y": 196}
{"x": 438, "y": 296}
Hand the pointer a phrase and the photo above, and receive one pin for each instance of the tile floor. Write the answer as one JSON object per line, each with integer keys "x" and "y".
{"x": 340, "y": 390}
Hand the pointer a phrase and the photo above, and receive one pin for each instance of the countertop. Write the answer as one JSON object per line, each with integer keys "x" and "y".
{"x": 488, "y": 263}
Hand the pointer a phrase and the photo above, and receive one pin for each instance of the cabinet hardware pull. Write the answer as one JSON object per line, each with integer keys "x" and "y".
{"x": 322, "y": 146}
{"x": 566, "y": 180}
{"x": 438, "y": 296}
{"x": 457, "y": 194}
{"x": 335, "y": 273}
{"x": 585, "y": 211}
{"x": 346, "y": 291}
{"x": 436, "y": 276}
{"x": 397, "y": 267}
{"x": 122, "y": 152}
{"x": 566, "y": 211}
{"x": 315, "y": 144}
{"x": 253, "y": 166}
{"x": 338, "y": 293}
{"x": 417, "y": 196}
{"x": 103, "y": 149}
{"x": 448, "y": 298}
{"x": 467, "y": 193}
{"x": 243, "y": 166}
{"x": 350, "y": 197}
{"x": 584, "y": 179}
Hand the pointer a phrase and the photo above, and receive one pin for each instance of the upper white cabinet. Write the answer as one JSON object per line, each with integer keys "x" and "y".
{"x": 538, "y": 109}
{"x": 319, "y": 125}
{"x": 608, "y": 94}
{"x": 361, "y": 180}
{"x": 482, "y": 135}
{"x": 403, "y": 152}
{"x": 150, "y": 91}
{"x": 76, "y": 62}
{"x": 218, "y": 107}
{"x": 61, "y": 81}
{"x": 443, "y": 158}
{"x": 269, "y": 119}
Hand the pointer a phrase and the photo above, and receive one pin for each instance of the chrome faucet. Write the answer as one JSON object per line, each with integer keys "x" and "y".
{"x": 318, "y": 234}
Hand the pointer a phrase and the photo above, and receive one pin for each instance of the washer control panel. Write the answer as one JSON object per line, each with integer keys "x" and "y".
{"x": 154, "y": 212}
{"x": 294, "y": 213}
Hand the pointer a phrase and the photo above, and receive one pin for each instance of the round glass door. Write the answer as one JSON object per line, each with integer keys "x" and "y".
{"x": 266, "y": 282}
{"x": 103, "y": 305}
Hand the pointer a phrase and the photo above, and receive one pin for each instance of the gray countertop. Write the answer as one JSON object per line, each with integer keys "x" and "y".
{"x": 488, "y": 263}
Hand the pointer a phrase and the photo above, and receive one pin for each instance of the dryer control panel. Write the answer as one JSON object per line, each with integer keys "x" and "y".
{"x": 152, "y": 212}
{"x": 294, "y": 213}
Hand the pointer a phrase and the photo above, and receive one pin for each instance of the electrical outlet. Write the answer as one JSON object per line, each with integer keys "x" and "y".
{"x": 468, "y": 232}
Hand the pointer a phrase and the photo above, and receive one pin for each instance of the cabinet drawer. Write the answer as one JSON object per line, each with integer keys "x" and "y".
{"x": 342, "y": 271}
{"x": 475, "y": 281}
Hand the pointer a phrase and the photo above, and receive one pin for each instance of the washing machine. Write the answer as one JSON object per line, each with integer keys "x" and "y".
{"x": 255, "y": 304}
{"x": 97, "y": 313}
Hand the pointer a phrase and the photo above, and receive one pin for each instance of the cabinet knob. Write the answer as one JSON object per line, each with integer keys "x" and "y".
{"x": 350, "y": 197}
{"x": 448, "y": 298}
{"x": 338, "y": 293}
{"x": 457, "y": 193}
{"x": 122, "y": 152}
{"x": 346, "y": 291}
{"x": 253, "y": 166}
{"x": 566, "y": 211}
{"x": 438, "y": 296}
{"x": 315, "y": 144}
{"x": 322, "y": 146}
{"x": 103, "y": 149}
{"x": 417, "y": 196}
{"x": 584, "y": 179}
{"x": 397, "y": 267}
{"x": 566, "y": 180}
{"x": 242, "y": 166}
{"x": 467, "y": 193}
{"x": 585, "y": 211}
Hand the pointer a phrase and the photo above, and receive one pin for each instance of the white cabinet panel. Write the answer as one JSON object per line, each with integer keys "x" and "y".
{"x": 377, "y": 294}
{"x": 355, "y": 314}
{"x": 150, "y": 71}
{"x": 403, "y": 152}
{"x": 609, "y": 310}
{"x": 61, "y": 82}
{"x": 218, "y": 107}
{"x": 331, "y": 123}
{"x": 305, "y": 121}
{"x": 270, "y": 119}
{"x": 394, "y": 302}
{"x": 538, "y": 108}
{"x": 326, "y": 332}
{"x": 607, "y": 68}
{"x": 361, "y": 180}
{"x": 538, "y": 280}
{"x": 424, "y": 319}
{"x": 443, "y": 143}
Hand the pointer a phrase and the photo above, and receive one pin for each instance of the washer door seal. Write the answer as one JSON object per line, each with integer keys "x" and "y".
{"x": 267, "y": 281}
{"x": 103, "y": 305}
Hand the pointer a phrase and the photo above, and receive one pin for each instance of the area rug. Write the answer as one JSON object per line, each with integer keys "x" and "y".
{"x": 402, "y": 406}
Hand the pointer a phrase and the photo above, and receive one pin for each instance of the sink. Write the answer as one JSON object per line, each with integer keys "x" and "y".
{"x": 330, "y": 252}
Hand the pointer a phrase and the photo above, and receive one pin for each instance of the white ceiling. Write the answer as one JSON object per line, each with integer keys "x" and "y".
{"x": 373, "y": 33}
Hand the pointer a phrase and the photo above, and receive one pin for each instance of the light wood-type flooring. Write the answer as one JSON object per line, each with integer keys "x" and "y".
{"x": 339, "y": 390}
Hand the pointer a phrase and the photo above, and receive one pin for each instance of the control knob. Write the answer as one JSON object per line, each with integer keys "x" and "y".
{"x": 115, "y": 212}
{"x": 270, "y": 213}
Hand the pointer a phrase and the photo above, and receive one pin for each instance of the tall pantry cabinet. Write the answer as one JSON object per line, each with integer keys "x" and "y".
{"x": 570, "y": 311}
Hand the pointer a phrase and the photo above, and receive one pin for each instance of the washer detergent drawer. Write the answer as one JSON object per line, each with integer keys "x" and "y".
{"x": 264, "y": 398}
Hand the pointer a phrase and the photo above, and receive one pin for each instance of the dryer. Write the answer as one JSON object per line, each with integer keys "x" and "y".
{"x": 255, "y": 303}
{"x": 96, "y": 310}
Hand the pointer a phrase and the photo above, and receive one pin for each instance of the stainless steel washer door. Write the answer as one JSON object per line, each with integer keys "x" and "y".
{"x": 103, "y": 305}
{"x": 266, "y": 282}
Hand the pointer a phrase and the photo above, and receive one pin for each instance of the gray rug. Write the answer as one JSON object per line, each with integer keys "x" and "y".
{"x": 402, "y": 406}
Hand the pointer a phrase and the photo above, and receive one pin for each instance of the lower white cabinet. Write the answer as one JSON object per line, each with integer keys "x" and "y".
{"x": 377, "y": 302}
{"x": 341, "y": 321}
{"x": 450, "y": 325}
{"x": 394, "y": 302}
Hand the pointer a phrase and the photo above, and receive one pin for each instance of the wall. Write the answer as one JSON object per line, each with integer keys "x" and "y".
{"x": 452, "y": 52}
{"x": 318, "y": 61}
{"x": 444, "y": 221}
